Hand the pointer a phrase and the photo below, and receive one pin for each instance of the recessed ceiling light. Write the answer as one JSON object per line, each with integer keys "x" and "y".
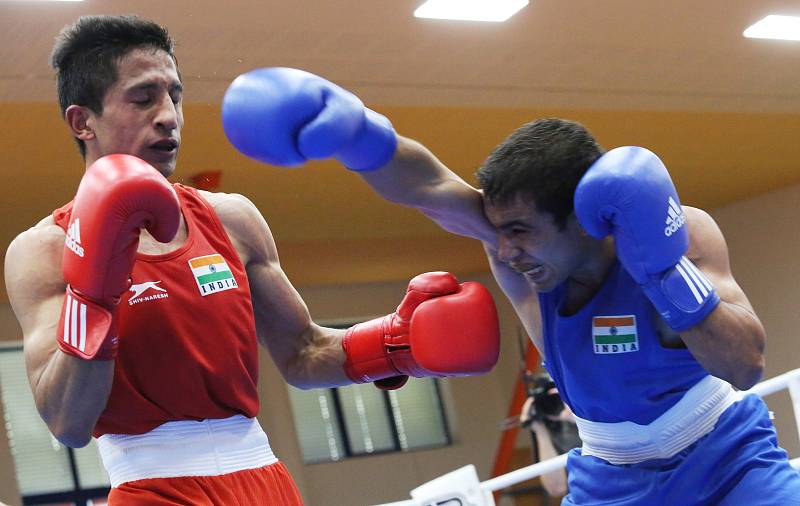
{"x": 775, "y": 27}
{"x": 470, "y": 10}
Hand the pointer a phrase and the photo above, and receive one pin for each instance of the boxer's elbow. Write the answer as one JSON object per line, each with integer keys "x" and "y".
{"x": 293, "y": 375}
{"x": 297, "y": 369}
{"x": 288, "y": 369}
{"x": 751, "y": 367}
{"x": 752, "y": 339}
{"x": 746, "y": 370}
{"x": 307, "y": 375}
{"x": 733, "y": 352}
{"x": 749, "y": 372}
{"x": 70, "y": 418}
{"x": 301, "y": 382}
{"x": 69, "y": 434}
{"x": 67, "y": 426}
{"x": 74, "y": 440}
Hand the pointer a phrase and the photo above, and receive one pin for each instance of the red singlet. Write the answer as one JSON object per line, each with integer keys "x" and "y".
{"x": 187, "y": 338}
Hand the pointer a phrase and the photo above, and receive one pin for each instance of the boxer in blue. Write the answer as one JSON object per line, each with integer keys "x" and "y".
{"x": 627, "y": 294}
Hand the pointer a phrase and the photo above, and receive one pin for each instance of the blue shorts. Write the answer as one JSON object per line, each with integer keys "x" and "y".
{"x": 738, "y": 463}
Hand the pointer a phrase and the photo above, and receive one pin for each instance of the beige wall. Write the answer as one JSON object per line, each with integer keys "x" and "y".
{"x": 764, "y": 241}
{"x": 765, "y": 256}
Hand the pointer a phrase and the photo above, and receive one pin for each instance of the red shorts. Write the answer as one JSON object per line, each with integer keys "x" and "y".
{"x": 270, "y": 484}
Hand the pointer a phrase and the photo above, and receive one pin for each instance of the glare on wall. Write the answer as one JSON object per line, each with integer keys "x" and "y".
{"x": 470, "y": 10}
{"x": 775, "y": 27}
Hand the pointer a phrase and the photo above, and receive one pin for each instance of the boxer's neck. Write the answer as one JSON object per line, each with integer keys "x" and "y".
{"x": 149, "y": 246}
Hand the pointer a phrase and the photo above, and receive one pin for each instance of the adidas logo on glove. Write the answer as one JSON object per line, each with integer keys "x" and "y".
{"x": 675, "y": 218}
{"x": 74, "y": 237}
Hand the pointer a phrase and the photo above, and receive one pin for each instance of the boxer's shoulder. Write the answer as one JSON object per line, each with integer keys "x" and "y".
{"x": 35, "y": 256}
{"x": 42, "y": 237}
{"x": 46, "y": 221}
{"x": 242, "y": 221}
{"x": 696, "y": 216}
{"x": 233, "y": 210}
{"x": 705, "y": 236}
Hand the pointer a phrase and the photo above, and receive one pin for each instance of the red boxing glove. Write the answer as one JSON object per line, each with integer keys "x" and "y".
{"x": 118, "y": 195}
{"x": 441, "y": 328}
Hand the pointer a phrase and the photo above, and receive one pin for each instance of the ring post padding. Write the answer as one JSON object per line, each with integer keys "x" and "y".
{"x": 461, "y": 486}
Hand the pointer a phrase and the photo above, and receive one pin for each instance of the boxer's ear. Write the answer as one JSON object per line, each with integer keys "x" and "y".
{"x": 78, "y": 120}
{"x": 573, "y": 223}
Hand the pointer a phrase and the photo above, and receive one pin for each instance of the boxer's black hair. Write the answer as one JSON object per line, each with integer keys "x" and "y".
{"x": 543, "y": 161}
{"x": 86, "y": 54}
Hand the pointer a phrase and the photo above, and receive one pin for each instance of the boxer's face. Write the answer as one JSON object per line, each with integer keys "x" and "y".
{"x": 142, "y": 112}
{"x": 532, "y": 244}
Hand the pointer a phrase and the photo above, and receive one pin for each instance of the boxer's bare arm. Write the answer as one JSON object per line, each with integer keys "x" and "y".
{"x": 729, "y": 343}
{"x": 521, "y": 295}
{"x": 70, "y": 393}
{"x": 555, "y": 482}
{"x": 416, "y": 178}
{"x": 307, "y": 354}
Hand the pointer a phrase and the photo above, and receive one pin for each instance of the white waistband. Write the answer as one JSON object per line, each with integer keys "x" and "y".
{"x": 694, "y": 416}
{"x": 186, "y": 448}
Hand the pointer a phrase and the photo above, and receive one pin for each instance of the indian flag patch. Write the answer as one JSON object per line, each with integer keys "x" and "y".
{"x": 614, "y": 334}
{"x": 212, "y": 274}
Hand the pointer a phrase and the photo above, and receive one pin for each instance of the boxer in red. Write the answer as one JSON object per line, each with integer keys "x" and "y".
{"x": 142, "y": 302}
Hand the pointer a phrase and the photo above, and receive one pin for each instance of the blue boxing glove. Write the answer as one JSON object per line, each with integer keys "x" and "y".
{"x": 628, "y": 193}
{"x": 286, "y": 116}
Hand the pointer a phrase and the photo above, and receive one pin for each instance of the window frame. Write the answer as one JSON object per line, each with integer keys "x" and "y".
{"x": 78, "y": 495}
{"x": 341, "y": 424}
{"x": 387, "y": 404}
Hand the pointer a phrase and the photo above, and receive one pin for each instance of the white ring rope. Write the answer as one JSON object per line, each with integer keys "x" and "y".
{"x": 461, "y": 487}
{"x": 775, "y": 384}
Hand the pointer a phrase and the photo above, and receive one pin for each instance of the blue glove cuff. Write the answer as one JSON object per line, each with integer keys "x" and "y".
{"x": 682, "y": 295}
{"x": 374, "y": 146}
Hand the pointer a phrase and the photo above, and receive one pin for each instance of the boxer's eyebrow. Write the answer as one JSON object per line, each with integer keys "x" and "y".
{"x": 175, "y": 86}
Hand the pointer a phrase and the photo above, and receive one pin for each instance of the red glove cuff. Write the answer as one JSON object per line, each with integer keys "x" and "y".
{"x": 86, "y": 329}
{"x": 366, "y": 355}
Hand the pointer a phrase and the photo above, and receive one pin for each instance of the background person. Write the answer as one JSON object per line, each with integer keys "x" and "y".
{"x": 552, "y": 426}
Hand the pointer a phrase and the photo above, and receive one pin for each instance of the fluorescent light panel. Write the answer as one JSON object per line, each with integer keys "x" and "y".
{"x": 775, "y": 27}
{"x": 470, "y": 10}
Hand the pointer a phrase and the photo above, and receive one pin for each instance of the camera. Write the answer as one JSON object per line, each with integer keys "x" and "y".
{"x": 546, "y": 401}
{"x": 547, "y": 408}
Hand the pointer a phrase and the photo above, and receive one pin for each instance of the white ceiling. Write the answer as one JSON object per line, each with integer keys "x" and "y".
{"x": 636, "y": 54}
